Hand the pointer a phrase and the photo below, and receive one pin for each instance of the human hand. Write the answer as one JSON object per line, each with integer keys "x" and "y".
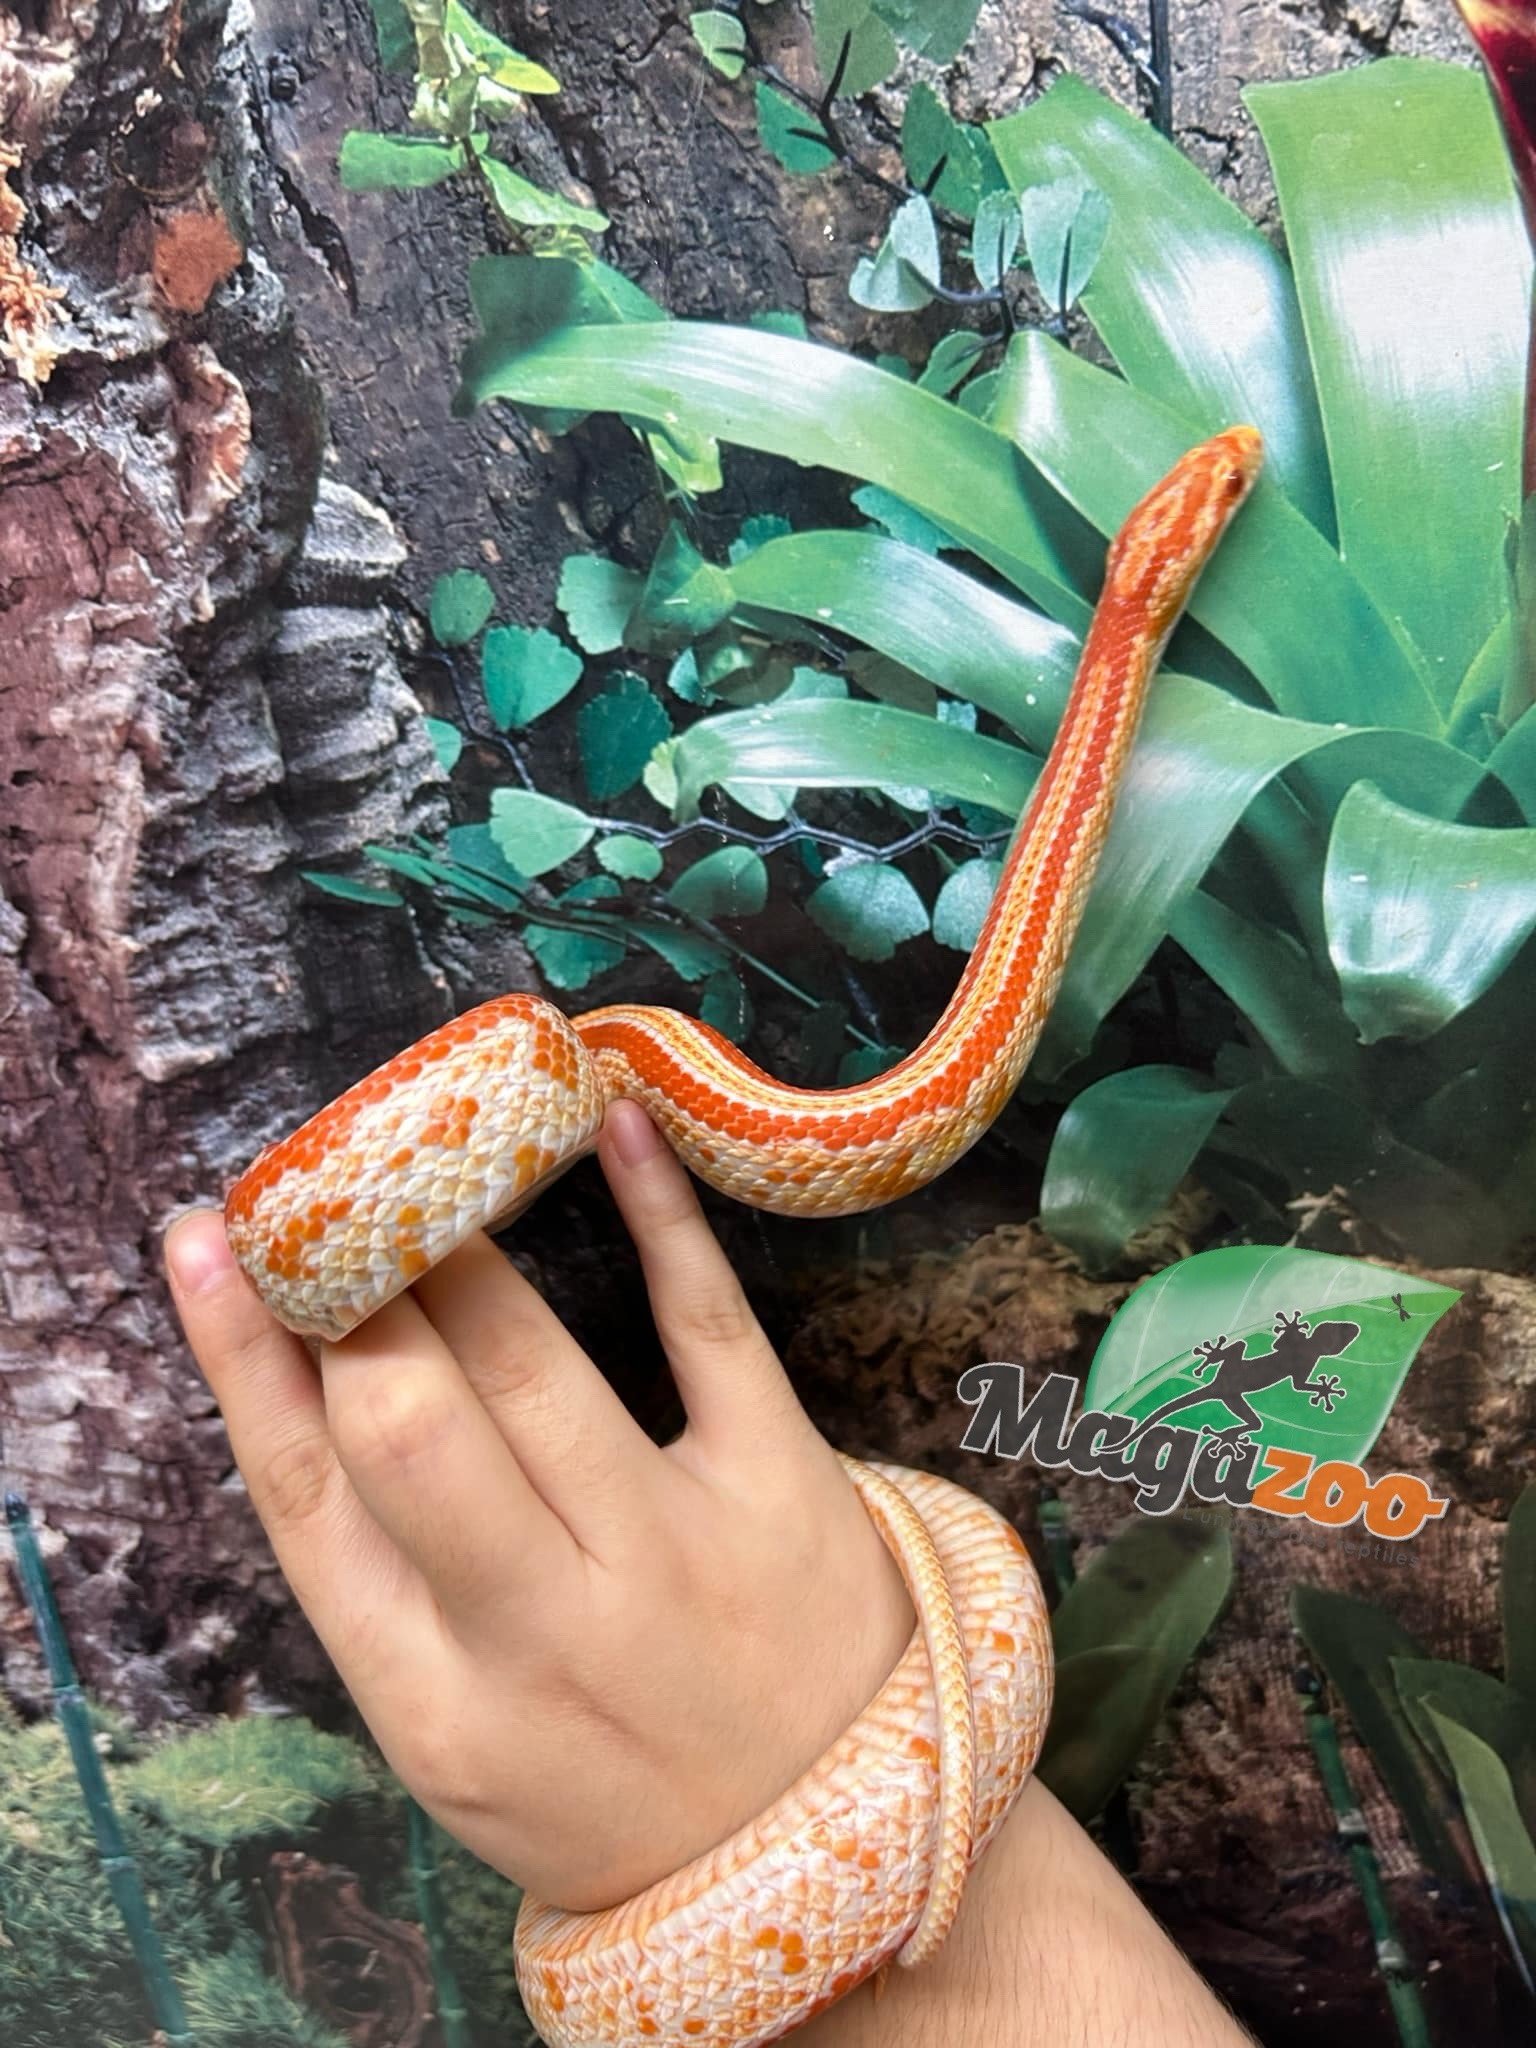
{"x": 590, "y": 1658}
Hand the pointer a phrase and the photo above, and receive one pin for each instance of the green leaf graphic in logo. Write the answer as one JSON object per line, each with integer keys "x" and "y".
{"x": 1306, "y": 1351}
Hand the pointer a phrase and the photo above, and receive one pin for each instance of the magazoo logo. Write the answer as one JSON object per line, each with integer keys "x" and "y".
{"x": 1233, "y": 1343}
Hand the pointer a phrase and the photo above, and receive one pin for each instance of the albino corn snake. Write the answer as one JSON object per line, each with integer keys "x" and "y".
{"x": 866, "y": 1857}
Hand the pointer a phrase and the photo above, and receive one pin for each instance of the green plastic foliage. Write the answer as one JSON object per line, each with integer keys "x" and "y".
{"x": 617, "y": 731}
{"x": 1121, "y": 1148}
{"x": 1414, "y": 273}
{"x": 943, "y": 159}
{"x": 898, "y": 277}
{"x": 1422, "y": 915}
{"x": 961, "y": 906}
{"x": 349, "y": 891}
{"x": 790, "y": 133}
{"x": 722, "y": 39}
{"x": 869, "y": 908}
{"x": 461, "y": 604}
{"x": 447, "y": 742}
{"x": 1124, "y": 1633}
{"x": 525, "y": 672}
{"x": 526, "y": 205}
{"x": 936, "y": 29}
{"x": 1195, "y": 304}
{"x": 1498, "y": 1714}
{"x": 854, "y": 48}
{"x": 1519, "y": 1597}
{"x": 1500, "y": 1835}
{"x": 994, "y": 244}
{"x": 724, "y": 1003}
{"x": 1276, "y": 594}
{"x": 596, "y": 597}
{"x": 629, "y": 857}
{"x": 731, "y": 882}
{"x": 1356, "y": 1643}
{"x": 396, "y": 163}
{"x": 535, "y": 833}
{"x": 1144, "y": 1357}
{"x": 797, "y": 399}
{"x": 1065, "y": 224}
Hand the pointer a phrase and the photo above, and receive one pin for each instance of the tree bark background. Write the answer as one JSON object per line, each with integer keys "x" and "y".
{"x": 219, "y": 524}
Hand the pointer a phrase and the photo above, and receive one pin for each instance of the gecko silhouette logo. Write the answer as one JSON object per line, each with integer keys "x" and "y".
{"x": 1252, "y": 1376}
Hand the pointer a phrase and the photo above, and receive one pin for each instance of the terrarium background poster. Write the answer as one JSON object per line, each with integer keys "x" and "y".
{"x": 605, "y": 502}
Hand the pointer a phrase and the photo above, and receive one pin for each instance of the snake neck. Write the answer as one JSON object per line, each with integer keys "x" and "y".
{"x": 973, "y": 1057}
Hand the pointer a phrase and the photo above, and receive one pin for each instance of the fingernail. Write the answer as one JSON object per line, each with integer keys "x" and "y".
{"x": 197, "y": 1253}
{"x": 635, "y": 1138}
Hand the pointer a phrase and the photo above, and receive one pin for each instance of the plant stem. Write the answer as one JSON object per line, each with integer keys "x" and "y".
{"x": 117, "y": 1865}
{"x": 426, "y": 1878}
{"x": 1349, "y": 1824}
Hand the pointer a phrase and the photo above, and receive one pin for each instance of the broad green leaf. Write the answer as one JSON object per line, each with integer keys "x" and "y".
{"x": 1505, "y": 1848}
{"x": 1065, "y": 226}
{"x": 813, "y": 405}
{"x": 1397, "y": 195}
{"x": 525, "y": 672}
{"x": 692, "y": 461}
{"x": 1422, "y": 915}
{"x": 684, "y": 596}
{"x": 731, "y": 882}
{"x": 994, "y": 243}
{"x": 447, "y": 742}
{"x": 1517, "y": 1594}
{"x": 790, "y": 133}
{"x": 353, "y": 892}
{"x": 722, "y": 39}
{"x": 535, "y": 833}
{"x": 869, "y": 908}
{"x": 898, "y": 277}
{"x": 840, "y": 745}
{"x": 1155, "y": 1588}
{"x": 1147, "y": 1358}
{"x": 854, "y": 48}
{"x": 1513, "y": 760}
{"x": 481, "y": 869}
{"x": 756, "y": 532}
{"x": 1497, "y": 1713}
{"x": 617, "y": 731}
{"x": 1098, "y": 1726}
{"x": 899, "y": 519}
{"x": 724, "y": 1003}
{"x": 1195, "y": 304}
{"x": 1271, "y": 981}
{"x": 1355, "y": 1644}
{"x": 521, "y": 298}
{"x": 1276, "y": 594}
{"x": 396, "y": 163}
{"x": 527, "y": 205}
{"x": 941, "y": 156}
{"x": 1121, "y": 1148}
{"x": 416, "y": 867}
{"x": 596, "y": 597}
{"x": 631, "y": 858}
{"x": 961, "y": 906}
{"x": 461, "y": 604}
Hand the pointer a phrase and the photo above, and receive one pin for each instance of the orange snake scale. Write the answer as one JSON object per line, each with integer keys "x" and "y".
{"x": 865, "y": 1858}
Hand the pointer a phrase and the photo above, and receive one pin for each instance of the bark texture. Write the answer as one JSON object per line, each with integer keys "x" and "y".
{"x": 219, "y": 522}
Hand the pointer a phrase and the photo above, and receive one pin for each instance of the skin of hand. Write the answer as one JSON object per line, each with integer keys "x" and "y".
{"x": 589, "y": 1657}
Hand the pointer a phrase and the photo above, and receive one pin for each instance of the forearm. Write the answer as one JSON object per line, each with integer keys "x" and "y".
{"x": 1052, "y": 1950}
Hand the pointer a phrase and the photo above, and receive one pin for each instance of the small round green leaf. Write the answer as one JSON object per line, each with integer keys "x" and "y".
{"x": 461, "y": 604}
{"x": 869, "y": 908}
{"x": 790, "y": 133}
{"x": 628, "y": 856}
{"x": 536, "y": 833}
{"x": 396, "y": 163}
{"x": 722, "y": 39}
{"x": 526, "y": 671}
{"x": 447, "y": 742}
{"x": 617, "y": 732}
{"x": 731, "y": 882}
{"x": 724, "y": 1003}
{"x": 596, "y": 597}
{"x": 963, "y": 902}
{"x": 569, "y": 960}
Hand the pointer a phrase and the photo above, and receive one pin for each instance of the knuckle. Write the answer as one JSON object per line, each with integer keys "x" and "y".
{"x": 295, "y": 1479}
{"x": 720, "y": 1318}
{"x": 400, "y": 1424}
